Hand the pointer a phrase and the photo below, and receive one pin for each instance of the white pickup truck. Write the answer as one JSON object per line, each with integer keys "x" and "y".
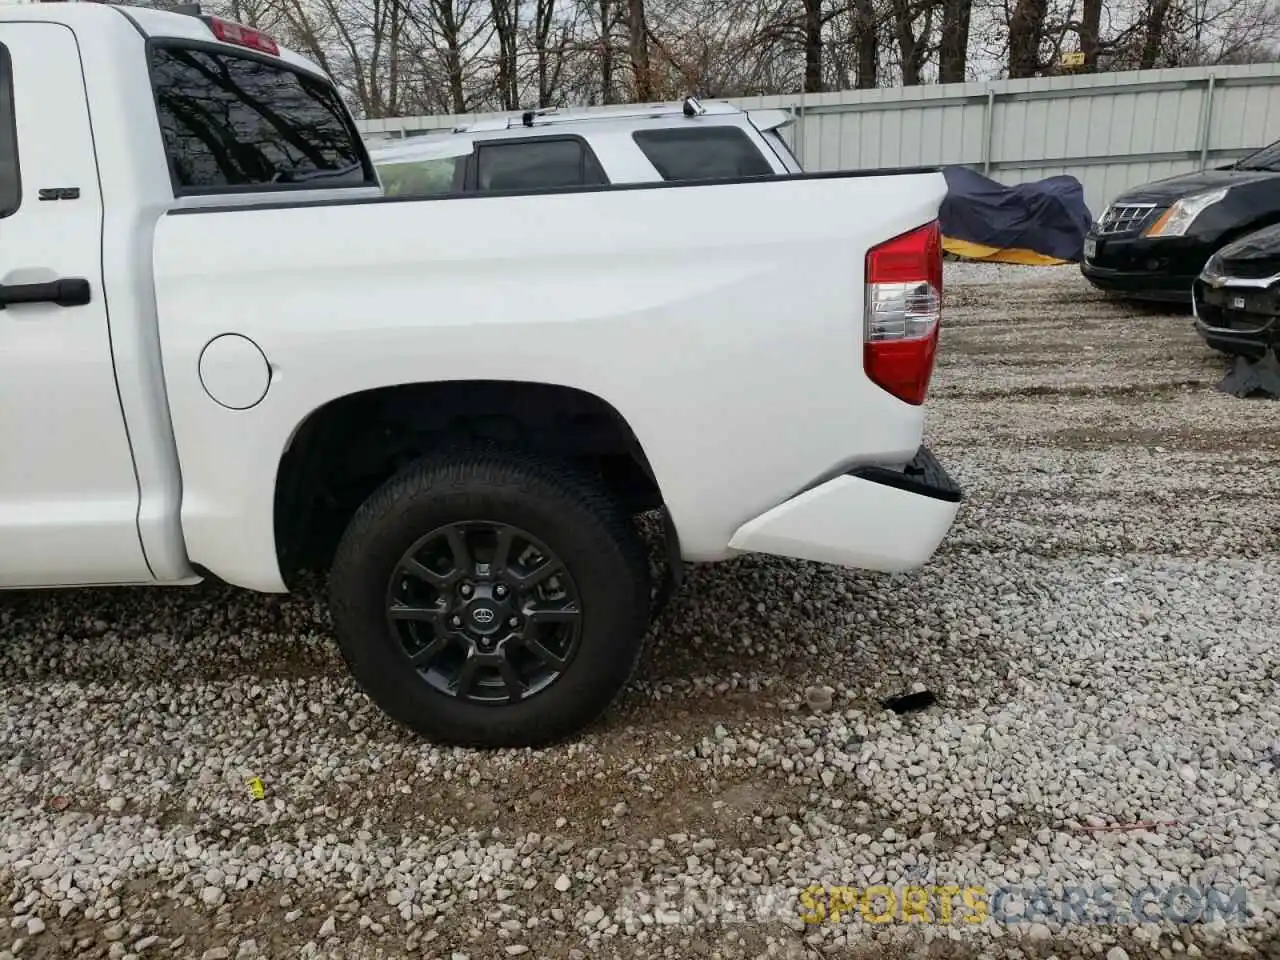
{"x": 224, "y": 353}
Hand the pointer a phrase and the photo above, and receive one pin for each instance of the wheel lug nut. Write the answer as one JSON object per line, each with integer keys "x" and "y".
{"x": 499, "y": 591}
{"x": 513, "y": 622}
{"x": 456, "y": 621}
{"x": 466, "y": 589}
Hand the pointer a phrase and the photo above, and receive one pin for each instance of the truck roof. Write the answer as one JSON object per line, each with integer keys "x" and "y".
{"x": 187, "y": 23}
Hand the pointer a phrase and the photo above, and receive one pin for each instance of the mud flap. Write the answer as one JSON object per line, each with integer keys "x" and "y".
{"x": 1251, "y": 377}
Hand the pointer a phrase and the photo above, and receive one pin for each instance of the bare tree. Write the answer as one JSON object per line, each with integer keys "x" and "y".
{"x": 450, "y": 31}
{"x": 400, "y": 57}
{"x": 506, "y": 28}
{"x": 551, "y": 39}
{"x": 953, "y": 47}
{"x": 913, "y": 46}
{"x": 638, "y": 49}
{"x": 865, "y": 37}
{"x": 1090, "y": 33}
{"x": 1026, "y": 36}
{"x": 607, "y": 16}
{"x": 1155, "y": 20}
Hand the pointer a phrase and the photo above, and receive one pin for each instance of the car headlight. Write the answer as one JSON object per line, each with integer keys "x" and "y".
{"x": 1175, "y": 221}
{"x": 1212, "y": 268}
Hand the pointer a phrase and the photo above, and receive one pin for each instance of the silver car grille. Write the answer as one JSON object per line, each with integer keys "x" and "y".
{"x": 1124, "y": 218}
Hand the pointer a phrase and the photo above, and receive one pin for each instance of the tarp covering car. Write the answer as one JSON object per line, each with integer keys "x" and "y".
{"x": 1043, "y": 222}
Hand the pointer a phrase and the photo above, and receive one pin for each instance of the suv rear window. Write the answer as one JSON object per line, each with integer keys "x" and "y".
{"x": 540, "y": 164}
{"x": 234, "y": 122}
{"x": 10, "y": 181}
{"x": 703, "y": 153}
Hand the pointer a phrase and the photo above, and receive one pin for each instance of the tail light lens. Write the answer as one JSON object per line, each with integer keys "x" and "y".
{"x": 903, "y": 312}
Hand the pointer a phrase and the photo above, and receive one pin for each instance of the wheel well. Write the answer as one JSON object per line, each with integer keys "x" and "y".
{"x": 346, "y": 449}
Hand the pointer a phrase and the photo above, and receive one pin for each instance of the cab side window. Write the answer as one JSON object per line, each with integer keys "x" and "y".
{"x": 541, "y": 164}
{"x": 10, "y": 181}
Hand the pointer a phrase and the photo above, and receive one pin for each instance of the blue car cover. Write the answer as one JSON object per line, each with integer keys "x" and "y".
{"x": 1043, "y": 222}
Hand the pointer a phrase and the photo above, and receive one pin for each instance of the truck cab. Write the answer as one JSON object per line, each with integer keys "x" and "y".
{"x": 108, "y": 120}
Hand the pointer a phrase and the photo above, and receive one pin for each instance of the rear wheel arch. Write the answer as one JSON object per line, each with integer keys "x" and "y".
{"x": 347, "y": 447}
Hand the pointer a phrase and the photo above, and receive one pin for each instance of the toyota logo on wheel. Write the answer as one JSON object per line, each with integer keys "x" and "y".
{"x": 483, "y": 616}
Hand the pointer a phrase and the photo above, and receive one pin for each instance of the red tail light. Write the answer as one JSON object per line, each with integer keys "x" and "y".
{"x": 242, "y": 36}
{"x": 903, "y": 311}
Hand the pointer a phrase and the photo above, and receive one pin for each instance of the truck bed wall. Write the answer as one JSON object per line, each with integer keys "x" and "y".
{"x": 724, "y": 322}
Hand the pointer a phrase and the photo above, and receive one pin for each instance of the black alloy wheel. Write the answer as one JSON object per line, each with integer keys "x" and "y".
{"x": 485, "y": 611}
{"x": 491, "y": 599}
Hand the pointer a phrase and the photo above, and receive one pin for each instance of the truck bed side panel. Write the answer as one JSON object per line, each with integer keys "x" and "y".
{"x": 723, "y": 321}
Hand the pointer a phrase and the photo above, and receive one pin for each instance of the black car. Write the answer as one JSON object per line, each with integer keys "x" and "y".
{"x": 1152, "y": 241}
{"x": 1237, "y": 296}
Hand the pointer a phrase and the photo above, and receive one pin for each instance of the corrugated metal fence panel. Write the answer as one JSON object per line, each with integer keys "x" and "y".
{"x": 1111, "y": 131}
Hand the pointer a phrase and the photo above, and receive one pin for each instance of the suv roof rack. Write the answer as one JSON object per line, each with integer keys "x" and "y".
{"x": 162, "y": 6}
{"x": 187, "y": 9}
{"x": 690, "y": 107}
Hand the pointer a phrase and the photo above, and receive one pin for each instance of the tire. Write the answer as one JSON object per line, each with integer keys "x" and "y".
{"x": 556, "y": 512}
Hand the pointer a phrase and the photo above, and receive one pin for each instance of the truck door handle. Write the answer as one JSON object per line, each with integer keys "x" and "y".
{"x": 72, "y": 292}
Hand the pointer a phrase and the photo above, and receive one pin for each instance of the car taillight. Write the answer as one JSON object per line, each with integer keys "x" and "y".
{"x": 903, "y": 311}
{"x": 242, "y": 36}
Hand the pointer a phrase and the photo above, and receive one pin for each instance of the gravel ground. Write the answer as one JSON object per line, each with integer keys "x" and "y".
{"x": 1100, "y": 632}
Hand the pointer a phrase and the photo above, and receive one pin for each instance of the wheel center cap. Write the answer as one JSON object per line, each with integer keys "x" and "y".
{"x": 484, "y": 616}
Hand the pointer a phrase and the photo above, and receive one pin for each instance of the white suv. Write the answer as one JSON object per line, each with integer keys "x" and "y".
{"x": 547, "y": 149}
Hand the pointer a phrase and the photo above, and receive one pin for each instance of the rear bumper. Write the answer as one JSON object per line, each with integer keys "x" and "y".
{"x": 871, "y": 518}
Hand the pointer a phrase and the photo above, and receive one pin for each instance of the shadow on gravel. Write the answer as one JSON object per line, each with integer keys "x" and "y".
{"x": 676, "y": 795}
{"x": 740, "y": 640}
{"x": 1146, "y": 392}
{"x": 210, "y": 632}
{"x": 1149, "y": 309}
{"x": 1232, "y": 438}
{"x": 789, "y": 625}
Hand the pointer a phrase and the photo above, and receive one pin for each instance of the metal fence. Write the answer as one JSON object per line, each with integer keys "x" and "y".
{"x": 1111, "y": 131}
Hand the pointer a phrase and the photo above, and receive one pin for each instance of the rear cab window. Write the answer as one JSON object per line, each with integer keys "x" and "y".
{"x": 237, "y": 121}
{"x": 702, "y": 153}
{"x": 10, "y": 179}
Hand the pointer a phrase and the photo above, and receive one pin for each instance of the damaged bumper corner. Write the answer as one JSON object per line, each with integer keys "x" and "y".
{"x": 871, "y": 518}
